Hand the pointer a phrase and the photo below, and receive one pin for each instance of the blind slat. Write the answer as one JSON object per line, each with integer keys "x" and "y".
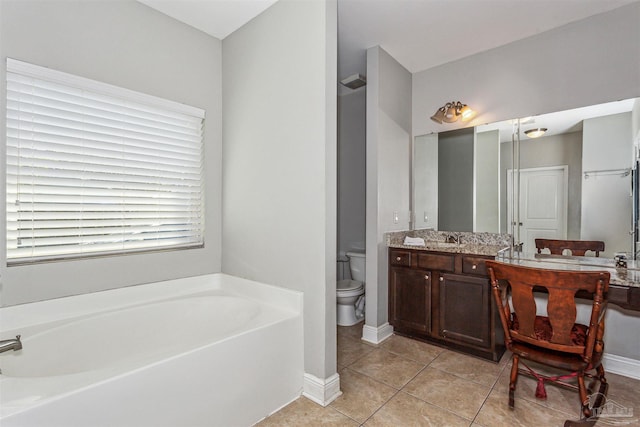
{"x": 93, "y": 169}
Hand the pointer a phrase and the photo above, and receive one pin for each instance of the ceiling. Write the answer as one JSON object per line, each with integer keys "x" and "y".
{"x": 559, "y": 122}
{"x": 218, "y": 18}
{"x": 419, "y": 34}
{"x": 422, "y": 34}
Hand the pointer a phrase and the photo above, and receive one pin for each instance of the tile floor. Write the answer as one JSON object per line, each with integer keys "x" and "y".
{"x": 403, "y": 382}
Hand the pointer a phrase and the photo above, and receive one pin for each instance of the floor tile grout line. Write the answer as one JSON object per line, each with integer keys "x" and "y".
{"x": 346, "y": 415}
{"x": 468, "y": 379}
{"x": 402, "y": 390}
{"x": 484, "y": 402}
{"x": 465, "y": 379}
{"x": 392, "y": 386}
{"x": 435, "y": 405}
{"x": 517, "y": 399}
{"x": 443, "y": 351}
{"x": 360, "y": 357}
{"x": 560, "y": 412}
{"x": 397, "y": 390}
{"x": 382, "y": 406}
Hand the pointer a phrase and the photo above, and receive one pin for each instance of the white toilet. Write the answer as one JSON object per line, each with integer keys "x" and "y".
{"x": 350, "y": 293}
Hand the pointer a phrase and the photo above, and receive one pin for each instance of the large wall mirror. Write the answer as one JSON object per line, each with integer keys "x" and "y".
{"x": 578, "y": 180}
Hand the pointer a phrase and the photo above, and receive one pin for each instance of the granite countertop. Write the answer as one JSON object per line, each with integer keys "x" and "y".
{"x": 497, "y": 245}
{"x": 487, "y": 244}
{"x": 629, "y": 277}
{"x": 465, "y": 248}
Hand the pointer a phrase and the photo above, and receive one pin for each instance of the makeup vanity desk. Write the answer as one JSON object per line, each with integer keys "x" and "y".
{"x": 624, "y": 285}
{"x": 440, "y": 293}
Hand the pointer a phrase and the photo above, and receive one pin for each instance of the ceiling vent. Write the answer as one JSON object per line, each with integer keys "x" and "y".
{"x": 354, "y": 81}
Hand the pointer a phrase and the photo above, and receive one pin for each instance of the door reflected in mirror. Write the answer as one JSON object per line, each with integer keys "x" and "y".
{"x": 575, "y": 181}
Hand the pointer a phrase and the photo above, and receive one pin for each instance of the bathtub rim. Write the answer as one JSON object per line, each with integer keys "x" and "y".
{"x": 56, "y": 312}
{"x": 41, "y": 313}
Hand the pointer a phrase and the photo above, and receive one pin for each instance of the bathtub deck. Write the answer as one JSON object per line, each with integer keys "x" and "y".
{"x": 237, "y": 379}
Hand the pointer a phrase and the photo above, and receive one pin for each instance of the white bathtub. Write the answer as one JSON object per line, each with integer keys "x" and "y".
{"x": 212, "y": 350}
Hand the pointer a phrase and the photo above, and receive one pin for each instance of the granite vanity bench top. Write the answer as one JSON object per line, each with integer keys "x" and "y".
{"x": 465, "y": 248}
{"x": 497, "y": 245}
{"x": 629, "y": 277}
{"x": 487, "y": 244}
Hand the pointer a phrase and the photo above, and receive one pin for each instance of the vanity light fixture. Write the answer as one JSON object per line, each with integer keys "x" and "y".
{"x": 452, "y": 111}
{"x": 535, "y": 132}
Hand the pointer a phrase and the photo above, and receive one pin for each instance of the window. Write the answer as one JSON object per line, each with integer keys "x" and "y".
{"x": 94, "y": 169}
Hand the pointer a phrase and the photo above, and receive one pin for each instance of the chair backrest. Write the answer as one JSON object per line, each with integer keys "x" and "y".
{"x": 577, "y": 247}
{"x": 520, "y": 282}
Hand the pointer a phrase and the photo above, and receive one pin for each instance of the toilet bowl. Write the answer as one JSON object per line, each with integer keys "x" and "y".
{"x": 350, "y": 293}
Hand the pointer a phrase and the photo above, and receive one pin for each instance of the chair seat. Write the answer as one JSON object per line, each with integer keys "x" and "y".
{"x": 543, "y": 330}
{"x": 555, "y": 359}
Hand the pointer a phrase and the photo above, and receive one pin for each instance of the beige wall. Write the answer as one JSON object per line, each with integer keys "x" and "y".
{"x": 279, "y": 162}
{"x": 586, "y": 62}
{"x": 352, "y": 151}
{"x": 554, "y": 150}
{"x": 388, "y": 154}
{"x": 130, "y": 45}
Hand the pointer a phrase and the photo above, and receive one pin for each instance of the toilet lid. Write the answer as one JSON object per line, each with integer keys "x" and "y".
{"x": 348, "y": 285}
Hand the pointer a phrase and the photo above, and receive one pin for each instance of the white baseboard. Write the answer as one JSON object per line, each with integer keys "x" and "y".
{"x": 321, "y": 391}
{"x": 374, "y": 335}
{"x": 621, "y": 365}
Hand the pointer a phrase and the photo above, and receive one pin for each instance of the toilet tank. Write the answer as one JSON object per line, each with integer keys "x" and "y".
{"x": 357, "y": 265}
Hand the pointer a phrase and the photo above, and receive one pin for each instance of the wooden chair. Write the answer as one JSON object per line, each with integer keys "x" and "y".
{"x": 577, "y": 247}
{"x": 554, "y": 340}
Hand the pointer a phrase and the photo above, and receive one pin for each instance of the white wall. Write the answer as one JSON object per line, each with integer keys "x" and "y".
{"x": 352, "y": 152}
{"x": 130, "y": 45}
{"x": 279, "y": 162}
{"x": 425, "y": 181}
{"x": 587, "y": 62}
{"x": 486, "y": 192}
{"x": 388, "y": 157}
{"x": 635, "y": 122}
{"x": 553, "y": 150}
{"x": 607, "y": 144}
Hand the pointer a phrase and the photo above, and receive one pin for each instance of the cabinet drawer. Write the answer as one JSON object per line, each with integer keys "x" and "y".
{"x": 436, "y": 262}
{"x": 401, "y": 258}
{"x": 474, "y": 265}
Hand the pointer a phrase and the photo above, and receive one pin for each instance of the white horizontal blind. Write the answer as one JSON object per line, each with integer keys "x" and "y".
{"x": 93, "y": 169}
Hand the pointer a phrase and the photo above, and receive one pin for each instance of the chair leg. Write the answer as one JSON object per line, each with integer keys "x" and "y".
{"x": 598, "y": 378}
{"x": 512, "y": 380}
{"x": 604, "y": 385}
{"x": 601, "y": 398}
{"x": 589, "y": 401}
{"x": 584, "y": 398}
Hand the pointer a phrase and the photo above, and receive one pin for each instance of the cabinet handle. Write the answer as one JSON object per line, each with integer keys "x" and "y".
{"x": 398, "y": 259}
{"x": 426, "y": 277}
{"x": 473, "y": 267}
{"x": 442, "y": 279}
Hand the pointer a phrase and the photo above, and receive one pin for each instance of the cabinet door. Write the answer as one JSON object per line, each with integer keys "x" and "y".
{"x": 410, "y": 299}
{"x": 464, "y": 309}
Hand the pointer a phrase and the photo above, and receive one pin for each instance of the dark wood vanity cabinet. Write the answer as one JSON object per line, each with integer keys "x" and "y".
{"x": 464, "y": 310}
{"x": 411, "y": 301}
{"x": 444, "y": 298}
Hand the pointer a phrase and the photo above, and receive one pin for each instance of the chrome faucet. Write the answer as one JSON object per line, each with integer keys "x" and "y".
{"x": 12, "y": 344}
{"x": 453, "y": 238}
